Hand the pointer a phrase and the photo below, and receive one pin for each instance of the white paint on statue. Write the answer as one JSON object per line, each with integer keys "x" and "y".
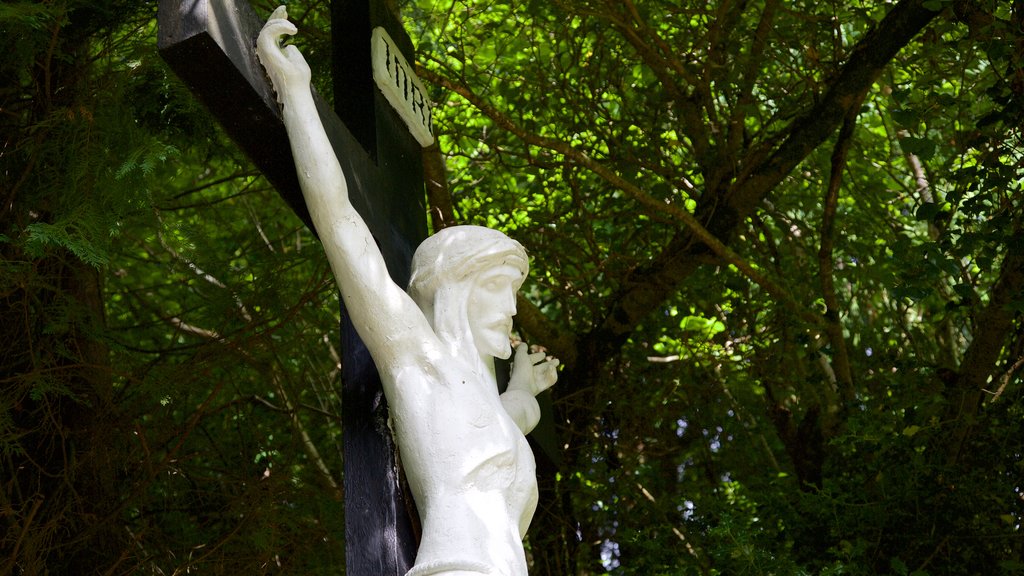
{"x": 470, "y": 469}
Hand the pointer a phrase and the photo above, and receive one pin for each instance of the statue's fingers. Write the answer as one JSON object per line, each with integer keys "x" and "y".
{"x": 269, "y": 40}
{"x": 522, "y": 353}
{"x": 293, "y": 55}
{"x": 272, "y": 55}
{"x": 275, "y": 29}
{"x": 553, "y": 371}
{"x": 546, "y": 371}
{"x": 537, "y": 357}
{"x": 546, "y": 379}
{"x": 279, "y": 13}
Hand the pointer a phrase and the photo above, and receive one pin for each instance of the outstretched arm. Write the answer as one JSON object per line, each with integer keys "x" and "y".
{"x": 373, "y": 300}
{"x": 531, "y": 375}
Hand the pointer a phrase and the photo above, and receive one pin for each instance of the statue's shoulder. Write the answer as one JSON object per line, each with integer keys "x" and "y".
{"x": 419, "y": 357}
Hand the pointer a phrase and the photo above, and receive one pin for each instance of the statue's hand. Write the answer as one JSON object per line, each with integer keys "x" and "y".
{"x": 532, "y": 373}
{"x": 285, "y": 66}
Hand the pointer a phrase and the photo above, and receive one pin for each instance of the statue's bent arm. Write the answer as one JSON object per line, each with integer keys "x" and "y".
{"x": 386, "y": 315}
{"x": 531, "y": 375}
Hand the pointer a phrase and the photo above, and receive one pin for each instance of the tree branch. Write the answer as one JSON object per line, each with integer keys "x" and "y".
{"x": 867, "y": 60}
{"x": 833, "y": 326}
{"x": 694, "y": 228}
{"x": 545, "y": 332}
{"x": 439, "y": 198}
{"x": 307, "y": 442}
{"x": 751, "y": 72}
{"x": 995, "y": 323}
{"x": 720, "y": 213}
{"x": 666, "y": 68}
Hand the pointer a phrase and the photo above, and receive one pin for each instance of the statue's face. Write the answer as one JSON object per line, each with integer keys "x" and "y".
{"x": 492, "y": 304}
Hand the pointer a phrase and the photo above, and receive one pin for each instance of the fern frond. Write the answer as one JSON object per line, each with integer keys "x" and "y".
{"x": 145, "y": 158}
{"x": 42, "y": 235}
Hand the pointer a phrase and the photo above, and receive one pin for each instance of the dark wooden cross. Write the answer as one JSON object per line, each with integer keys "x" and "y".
{"x": 210, "y": 44}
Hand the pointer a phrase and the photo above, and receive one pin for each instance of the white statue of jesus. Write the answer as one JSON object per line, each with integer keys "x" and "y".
{"x": 470, "y": 469}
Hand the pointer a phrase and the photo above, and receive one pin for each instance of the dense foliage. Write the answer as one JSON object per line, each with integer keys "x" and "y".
{"x": 778, "y": 246}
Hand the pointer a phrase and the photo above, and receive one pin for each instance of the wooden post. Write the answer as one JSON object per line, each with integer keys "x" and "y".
{"x": 210, "y": 44}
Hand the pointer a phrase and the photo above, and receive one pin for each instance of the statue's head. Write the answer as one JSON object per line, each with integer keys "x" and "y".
{"x": 465, "y": 280}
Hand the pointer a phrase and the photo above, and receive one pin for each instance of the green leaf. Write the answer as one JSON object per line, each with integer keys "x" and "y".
{"x": 927, "y": 211}
{"x": 909, "y": 431}
{"x": 905, "y": 117}
{"x": 923, "y": 148}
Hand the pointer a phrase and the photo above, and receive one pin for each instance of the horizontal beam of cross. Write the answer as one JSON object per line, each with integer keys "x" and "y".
{"x": 209, "y": 45}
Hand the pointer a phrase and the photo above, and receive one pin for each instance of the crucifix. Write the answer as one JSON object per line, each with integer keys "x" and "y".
{"x": 210, "y": 45}
{"x": 434, "y": 317}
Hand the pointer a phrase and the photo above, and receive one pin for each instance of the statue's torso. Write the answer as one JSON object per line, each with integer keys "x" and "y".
{"x": 470, "y": 467}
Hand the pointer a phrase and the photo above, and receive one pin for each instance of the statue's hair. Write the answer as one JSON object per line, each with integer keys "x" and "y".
{"x": 443, "y": 265}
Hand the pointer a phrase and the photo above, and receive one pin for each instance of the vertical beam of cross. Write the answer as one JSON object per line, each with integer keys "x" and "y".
{"x": 210, "y": 45}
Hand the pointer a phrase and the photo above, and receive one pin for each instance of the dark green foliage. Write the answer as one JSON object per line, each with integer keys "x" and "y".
{"x": 834, "y": 388}
{"x": 833, "y": 407}
{"x": 154, "y": 415}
